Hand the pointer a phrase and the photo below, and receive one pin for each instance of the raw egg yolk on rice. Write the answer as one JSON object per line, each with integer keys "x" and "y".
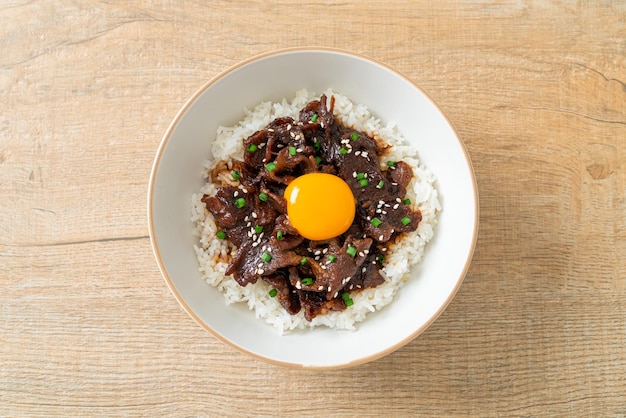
{"x": 320, "y": 206}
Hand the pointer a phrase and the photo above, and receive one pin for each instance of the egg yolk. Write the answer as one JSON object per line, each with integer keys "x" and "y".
{"x": 320, "y": 206}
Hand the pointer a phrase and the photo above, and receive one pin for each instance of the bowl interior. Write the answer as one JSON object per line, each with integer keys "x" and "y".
{"x": 391, "y": 97}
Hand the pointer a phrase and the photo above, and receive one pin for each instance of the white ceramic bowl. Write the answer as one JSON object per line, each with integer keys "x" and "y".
{"x": 176, "y": 174}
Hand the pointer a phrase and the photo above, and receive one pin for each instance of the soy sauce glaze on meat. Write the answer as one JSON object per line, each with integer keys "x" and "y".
{"x": 316, "y": 276}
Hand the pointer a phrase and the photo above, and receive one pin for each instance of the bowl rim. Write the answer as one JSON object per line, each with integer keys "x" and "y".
{"x": 168, "y": 280}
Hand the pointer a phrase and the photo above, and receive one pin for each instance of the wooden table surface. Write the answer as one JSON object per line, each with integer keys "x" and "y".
{"x": 537, "y": 91}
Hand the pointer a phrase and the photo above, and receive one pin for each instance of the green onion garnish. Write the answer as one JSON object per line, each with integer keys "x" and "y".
{"x": 236, "y": 174}
{"x": 380, "y": 184}
{"x": 271, "y": 166}
{"x": 251, "y": 148}
{"x": 317, "y": 145}
{"x": 354, "y": 136}
{"x": 258, "y": 229}
{"x": 363, "y": 182}
{"x": 407, "y": 201}
{"x": 318, "y": 160}
{"x": 332, "y": 258}
{"x": 221, "y": 234}
{"x": 360, "y": 176}
{"x": 273, "y": 293}
{"x": 263, "y": 197}
{"x": 376, "y": 222}
{"x": 380, "y": 258}
{"x": 307, "y": 281}
{"x": 240, "y": 202}
{"x": 279, "y": 235}
{"x": 303, "y": 261}
{"x": 266, "y": 257}
{"x": 391, "y": 163}
{"x": 292, "y": 151}
{"x": 347, "y": 299}
{"x": 314, "y": 117}
{"x": 351, "y": 251}
{"x": 405, "y": 221}
{"x": 343, "y": 151}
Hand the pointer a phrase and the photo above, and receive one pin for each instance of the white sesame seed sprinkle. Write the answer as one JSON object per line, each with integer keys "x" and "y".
{"x": 236, "y": 193}
{"x": 396, "y": 206}
{"x": 336, "y": 294}
{"x": 320, "y": 288}
{"x": 361, "y": 254}
{"x": 260, "y": 271}
{"x": 328, "y": 288}
{"x": 380, "y": 238}
{"x": 364, "y": 269}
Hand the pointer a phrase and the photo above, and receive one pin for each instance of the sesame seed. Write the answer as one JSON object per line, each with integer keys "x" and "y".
{"x": 394, "y": 184}
{"x": 329, "y": 288}
{"x": 357, "y": 153}
{"x": 289, "y": 127}
{"x": 298, "y": 285}
{"x": 336, "y": 294}
{"x": 249, "y": 224}
{"x": 261, "y": 145}
{"x": 264, "y": 160}
{"x": 292, "y": 134}
{"x": 246, "y": 219}
{"x": 354, "y": 174}
{"x": 396, "y": 206}
{"x": 318, "y": 252}
{"x": 255, "y": 243}
{"x": 398, "y": 200}
{"x": 366, "y": 251}
{"x": 358, "y": 286}
{"x": 299, "y": 149}
{"x": 361, "y": 254}
{"x": 325, "y": 250}
{"x": 374, "y": 262}
{"x": 260, "y": 271}
{"x": 383, "y": 249}
{"x": 270, "y": 130}
{"x": 320, "y": 288}
{"x": 384, "y": 212}
{"x": 254, "y": 215}
{"x": 317, "y": 258}
{"x": 364, "y": 269}
{"x": 261, "y": 235}
{"x": 236, "y": 193}
{"x": 249, "y": 234}
{"x": 380, "y": 238}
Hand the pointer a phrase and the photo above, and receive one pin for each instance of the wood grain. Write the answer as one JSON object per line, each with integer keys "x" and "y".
{"x": 536, "y": 89}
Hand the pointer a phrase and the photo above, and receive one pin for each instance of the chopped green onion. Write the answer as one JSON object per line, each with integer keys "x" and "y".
{"x": 258, "y": 229}
{"x": 405, "y": 221}
{"x": 251, "y": 148}
{"x": 407, "y": 201}
{"x": 240, "y": 202}
{"x": 351, "y": 251}
{"x": 363, "y": 182}
{"x": 314, "y": 117}
{"x": 292, "y": 151}
{"x": 332, "y": 258}
{"x": 307, "y": 281}
{"x": 317, "y": 145}
{"x": 343, "y": 151}
{"x": 318, "y": 160}
{"x": 273, "y": 293}
{"x": 266, "y": 257}
{"x": 263, "y": 197}
{"x": 303, "y": 261}
{"x": 221, "y": 234}
{"x": 236, "y": 174}
{"x": 354, "y": 136}
{"x": 391, "y": 163}
{"x": 271, "y": 166}
{"x": 360, "y": 176}
{"x": 380, "y": 258}
{"x": 376, "y": 222}
{"x": 279, "y": 235}
{"x": 380, "y": 184}
{"x": 347, "y": 299}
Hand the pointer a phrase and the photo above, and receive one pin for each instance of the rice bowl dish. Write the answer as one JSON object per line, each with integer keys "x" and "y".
{"x": 213, "y": 254}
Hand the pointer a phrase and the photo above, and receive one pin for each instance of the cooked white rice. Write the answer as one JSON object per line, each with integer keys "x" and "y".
{"x": 214, "y": 254}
